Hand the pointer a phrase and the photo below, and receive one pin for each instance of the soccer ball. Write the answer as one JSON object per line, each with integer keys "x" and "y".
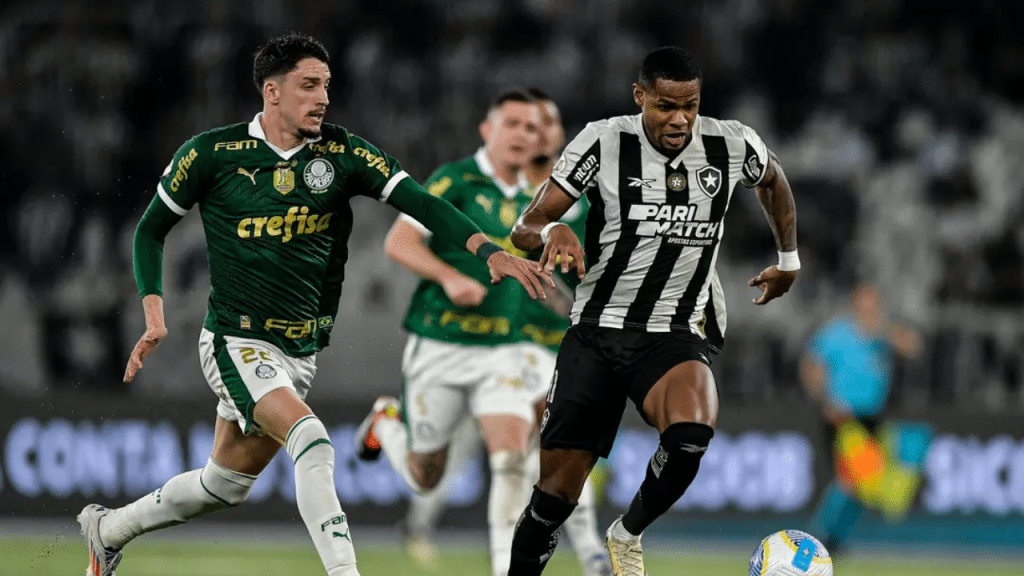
{"x": 790, "y": 553}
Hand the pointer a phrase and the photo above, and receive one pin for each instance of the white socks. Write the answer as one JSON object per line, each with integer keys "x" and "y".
{"x": 181, "y": 499}
{"x": 509, "y": 496}
{"x": 310, "y": 448}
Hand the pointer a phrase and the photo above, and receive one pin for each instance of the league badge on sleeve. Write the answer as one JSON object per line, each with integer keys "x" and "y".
{"x": 709, "y": 180}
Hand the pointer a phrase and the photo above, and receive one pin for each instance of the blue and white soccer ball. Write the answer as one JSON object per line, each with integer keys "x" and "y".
{"x": 790, "y": 553}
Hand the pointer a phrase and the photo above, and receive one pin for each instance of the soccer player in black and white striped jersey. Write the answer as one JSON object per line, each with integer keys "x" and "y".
{"x": 649, "y": 311}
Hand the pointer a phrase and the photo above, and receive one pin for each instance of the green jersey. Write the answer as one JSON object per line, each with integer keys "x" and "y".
{"x": 538, "y": 324}
{"x": 469, "y": 186}
{"x": 277, "y": 224}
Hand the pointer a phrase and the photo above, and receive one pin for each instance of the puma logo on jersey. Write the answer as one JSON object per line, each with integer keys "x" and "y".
{"x": 635, "y": 182}
{"x": 251, "y": 175}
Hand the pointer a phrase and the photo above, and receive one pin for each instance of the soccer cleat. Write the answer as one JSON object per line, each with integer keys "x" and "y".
{"x": 597, "y": 565}
{"x": 627, "y": 556}
{"x": 367, "y": 445}
{"x": 102, "y": 560}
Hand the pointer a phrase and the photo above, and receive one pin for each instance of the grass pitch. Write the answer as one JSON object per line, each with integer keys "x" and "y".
{"x": 63, "y": 555}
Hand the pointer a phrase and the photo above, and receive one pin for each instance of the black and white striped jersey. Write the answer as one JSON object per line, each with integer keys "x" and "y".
{"x": 655, "y": 222}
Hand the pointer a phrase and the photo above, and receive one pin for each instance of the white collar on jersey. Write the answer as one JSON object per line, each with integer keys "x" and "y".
{"x": 509, "y": 190}
{"x": 638, "y": 122}
{"x": 256, "y": 131}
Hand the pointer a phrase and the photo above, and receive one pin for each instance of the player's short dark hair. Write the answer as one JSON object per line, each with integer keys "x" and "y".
{"x": 514, "y": 95}
{"x": 671, "y": 63}
{"x": 281, "y": 55}
{"x": 538, "y": 94}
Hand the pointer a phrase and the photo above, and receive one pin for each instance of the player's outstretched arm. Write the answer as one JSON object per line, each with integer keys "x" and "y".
{"x": 407, "y": 245}
{"x": 780, "y": 209}
{"x": 539, "y": 227}
{"x": 445, "y": 221}
{"x": 502, "y": 264}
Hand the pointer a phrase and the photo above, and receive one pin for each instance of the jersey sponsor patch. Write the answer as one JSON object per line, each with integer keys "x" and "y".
{"x": 582, "y": 176}
{"x": 318, "y": 175}
{"x": 709, "y": 180}
{"x": 752, "y": 166}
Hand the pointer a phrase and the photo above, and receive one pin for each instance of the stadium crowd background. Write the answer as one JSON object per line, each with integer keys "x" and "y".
{"x": 900, "y": 124}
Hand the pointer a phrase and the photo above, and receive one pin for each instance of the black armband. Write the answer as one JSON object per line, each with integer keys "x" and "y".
{"x": 485, "y": 250}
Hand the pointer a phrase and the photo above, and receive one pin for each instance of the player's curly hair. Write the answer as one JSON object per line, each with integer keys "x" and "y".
{"x": 671, "y": 63}
{"x": 281, "y": 55}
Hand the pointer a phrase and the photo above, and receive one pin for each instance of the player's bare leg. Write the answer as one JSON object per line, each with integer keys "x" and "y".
{"x": 683, "y": 406}
{"x": 225, "y": 481}
{"x": 382, "y": 430}
{"x": 284, "y": 416}
{"x": 506, "y": 437}
{"x": 425, "y": 510}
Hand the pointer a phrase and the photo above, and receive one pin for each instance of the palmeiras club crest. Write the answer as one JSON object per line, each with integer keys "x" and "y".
{"x": 709, "y": 180}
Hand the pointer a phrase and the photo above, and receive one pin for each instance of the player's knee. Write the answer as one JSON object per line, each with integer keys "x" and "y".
{"x": 508, "y": 463}
{"x": 225, "y": 486}
{"x": 309, "y": 443}
{"x": 428, "y": 469}
{"x": 687, "y": 437}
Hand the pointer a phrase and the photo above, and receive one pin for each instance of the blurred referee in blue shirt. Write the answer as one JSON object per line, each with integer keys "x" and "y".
{"x": 848, "y": 371}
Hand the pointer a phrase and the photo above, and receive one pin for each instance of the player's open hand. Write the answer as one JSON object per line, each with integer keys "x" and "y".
{"x": 563, "y": 247}
{"x": 528, "y": 273}
{"x": 773, "y": 283}
{"x": 145, "y": 346}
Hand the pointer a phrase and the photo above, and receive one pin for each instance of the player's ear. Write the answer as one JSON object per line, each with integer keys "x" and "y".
{"x": 638, "y": 94}
{"x": 485, "y": 128}
{"x": 271, "y": 92}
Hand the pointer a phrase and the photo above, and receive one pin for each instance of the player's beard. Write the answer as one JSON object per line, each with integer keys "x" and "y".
{"x": 309, "y": 132}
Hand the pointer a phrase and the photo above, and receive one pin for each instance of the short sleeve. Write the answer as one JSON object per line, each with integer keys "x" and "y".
{"x": 180, "y": 185}
{"x": 755, "y": 158}
{"x": 576, "y": 171}
{"x": 374, "y": 172}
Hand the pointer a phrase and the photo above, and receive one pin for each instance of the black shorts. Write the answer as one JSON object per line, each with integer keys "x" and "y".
{"x": 596, "y": 370}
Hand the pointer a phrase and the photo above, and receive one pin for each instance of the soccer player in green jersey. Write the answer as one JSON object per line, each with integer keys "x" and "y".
{"x": 274, "y": 196}
{"x": 462, "y": 356}
{"x": 540, "y": 330}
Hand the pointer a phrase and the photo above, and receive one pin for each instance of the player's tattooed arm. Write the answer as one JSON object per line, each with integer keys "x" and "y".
{"x": 561, "y": 246}
{"x": 780, "y": 209}
{"x": 777, "y": 202}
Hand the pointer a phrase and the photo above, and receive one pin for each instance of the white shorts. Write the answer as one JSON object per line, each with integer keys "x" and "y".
{"x": 242, "y": 370}
{"x": 539, "y": 369}
{"x": 444, "y": 382}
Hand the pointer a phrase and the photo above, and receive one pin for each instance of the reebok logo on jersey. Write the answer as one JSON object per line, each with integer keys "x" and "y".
{"x": 296, "y": 221}
{"x": 678, "y": 223}
{"x": 635, "y": 182}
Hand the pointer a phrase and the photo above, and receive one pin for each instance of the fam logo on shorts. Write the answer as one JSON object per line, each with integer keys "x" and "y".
{"x": 318, "y": 175}
{"x": 265, "y": 371}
